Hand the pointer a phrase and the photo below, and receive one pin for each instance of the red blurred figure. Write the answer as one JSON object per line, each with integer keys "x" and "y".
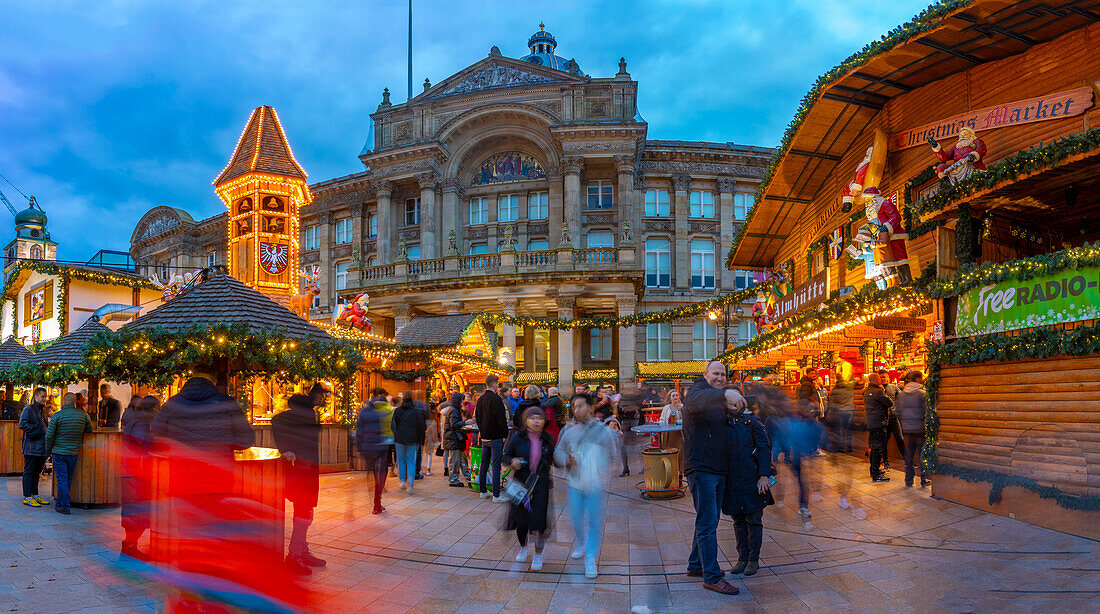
{"x": 297, "y": 433}
{"x": 137, "y": 438}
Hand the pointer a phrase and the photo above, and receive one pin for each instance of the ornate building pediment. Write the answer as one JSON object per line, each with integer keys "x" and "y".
{"x": 490, "y": 75}
{"x": 508, "y": 167}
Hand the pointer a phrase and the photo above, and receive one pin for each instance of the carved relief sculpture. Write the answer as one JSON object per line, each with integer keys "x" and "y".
{"x": 507, "y": 167}
{"x": 494, "y": 76}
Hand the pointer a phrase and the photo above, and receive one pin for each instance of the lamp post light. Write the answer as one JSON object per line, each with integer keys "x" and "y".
{"x": 731, "y": 314}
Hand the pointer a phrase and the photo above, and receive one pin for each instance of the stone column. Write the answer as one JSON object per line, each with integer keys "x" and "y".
{"x": 565, "y": 346}
{"x": 384, "y": 190}
{"x": 627, "y": 342}
{"x": 327, "y": 283}
{"x": 681, "y": 244}
{"x": 451, "y": 209}
{"x": 429, "y": 222}
{"x": 573, "y": 197}
{"x": 358, "y": 233}
{"x": 510, "y": 304}
{"x": 402, "y": 315}
{"x": 726, "y": 187}
{"x": 624, "y": 166}
{"x": 557, "y": 205}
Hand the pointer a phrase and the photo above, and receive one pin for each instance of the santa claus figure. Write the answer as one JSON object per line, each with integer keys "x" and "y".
{"x": 891, "y": 256}
{"x": 961, "y": 159}
{"x": 761, "y": 313}
{"x": 355, "y": 314}
{"x": 855, "y": 188}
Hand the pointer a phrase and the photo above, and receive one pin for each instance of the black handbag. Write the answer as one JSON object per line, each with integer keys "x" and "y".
{"x": 439, "y": 450}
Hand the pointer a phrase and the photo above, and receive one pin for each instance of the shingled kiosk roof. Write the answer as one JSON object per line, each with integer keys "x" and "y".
{"x": 262, "y": 148}
{"x": 69, "y": 350}
{"x": 435, "y": 331}
{"x": 222, "y": 299}
{"x": 11, "y": 351}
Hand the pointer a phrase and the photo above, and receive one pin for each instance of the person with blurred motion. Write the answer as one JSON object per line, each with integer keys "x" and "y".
{"x": 297, "y": 433}
{"x": 64, "y": 438}
{"x": 706, "y": 438}
{"x": 408, "y": 435}
{"x": 431, "y": 437}
{"x": 454, "y": 441}
{"x": 803, "y": 432}
{"x": 748, "y": 475}
{"x": 584, "y": 449}
{"x": 136, "y": 491}
{"x": 110, "y": 410}
{"x": 372, "y": 444}
{"x": 893, "y": 424}
{"x": 33, "y": 422}
{"x": 556, "y": 413}
{"x": 912, "y": 411}
{"x": 611, "y": 421}
{"x": 512, "y": 399}
{"x": 673, "y": 413}
{"x": 841, "y": 408}
{"x": 876, "y": 406}
{"x": 530, "y": 452}
{"x": 492, "y": 424}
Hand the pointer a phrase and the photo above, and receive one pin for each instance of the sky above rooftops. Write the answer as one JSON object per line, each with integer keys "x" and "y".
{"x": 110, "y": 108}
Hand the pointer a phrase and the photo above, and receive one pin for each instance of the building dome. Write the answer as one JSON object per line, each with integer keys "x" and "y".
{"x": 542, "y": 45}
{"x": 30, "y": 216}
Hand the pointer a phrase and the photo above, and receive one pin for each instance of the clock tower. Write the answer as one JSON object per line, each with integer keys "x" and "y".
{"x": 32, "y": 239}
{"x": 264, "y": 188}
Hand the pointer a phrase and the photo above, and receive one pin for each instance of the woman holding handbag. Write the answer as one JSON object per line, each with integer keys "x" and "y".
{"x": 748, "y": 485}
{"x": 530, "y": 451}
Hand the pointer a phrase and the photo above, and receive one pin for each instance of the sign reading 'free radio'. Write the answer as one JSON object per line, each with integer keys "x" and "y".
{"x": 1067, "y": 296}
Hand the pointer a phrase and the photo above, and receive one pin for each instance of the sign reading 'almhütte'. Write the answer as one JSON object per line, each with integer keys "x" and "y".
{"x": 809, "y": 294}
{"x": 1040, "y": 109}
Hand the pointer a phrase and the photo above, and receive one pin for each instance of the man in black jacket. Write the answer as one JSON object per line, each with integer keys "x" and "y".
{"x": 492, "y": 422}
{"x": 876, "y": 407}
{"x": 297, "y": 433}
{"x": 707, "y": 458}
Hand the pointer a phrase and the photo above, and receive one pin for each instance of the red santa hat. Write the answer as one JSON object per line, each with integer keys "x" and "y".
{"x": 871, "y": 191}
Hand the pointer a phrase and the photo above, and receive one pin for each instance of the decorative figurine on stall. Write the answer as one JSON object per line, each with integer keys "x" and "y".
{"x": 176, "y": 283}
{"x": 862, "y": 248}
{"x": 300, "y": 303}
{"x": 961, "y": 159}
{"x": 761, "y": 313}
{"x": 855, "y": 187}
{"x": 890, "y": 253}
{"x": 355, "y": 314}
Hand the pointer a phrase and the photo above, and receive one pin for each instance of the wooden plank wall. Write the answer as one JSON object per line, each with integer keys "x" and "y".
{"x": 1038, "y": 419}
{"x": 11, "y": 447}
{"x": 97, "y": 479}
{"x": 1065, "y": 63}
{"x": 335, "y": 448}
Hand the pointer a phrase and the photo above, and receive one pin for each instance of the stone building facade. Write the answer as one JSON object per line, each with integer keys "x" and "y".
{"x": 525, "y": 186}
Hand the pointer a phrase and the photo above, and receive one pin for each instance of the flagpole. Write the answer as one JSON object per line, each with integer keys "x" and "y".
{"x": 410, "y": 49}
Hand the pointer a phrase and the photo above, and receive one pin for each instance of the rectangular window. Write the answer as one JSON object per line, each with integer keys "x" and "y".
{"x": 412, "y": 211}
{"x": 342, "y": 275}
{"x": 211, "y": 259}
{"x": 477, "y": 249}
{"x": 479, "y": 210}
{"x": 311, "y": 237}
{"x": 343, "y": 231}
{"x": 744, "y": 279}
{"x": 372, "y": 226}
{"x": 535, "y": 245}
{"x": 741, "y": 205}
{"x": 538, "y": 206}
{"x": 658, "y": 271}
{"x": 656, "y": 203}
{"x": 507, "y": 208}
{"x": 701, "y": 204}
{"x": 704, "y": 340}
{"x": 600, "y": 195}
{"x": 599, "y": 344}
{"x": 702, "y": 264}
{"x": 658, "y": 341}
{"x": 412, "y": 252}
{"x": 746, "y": 330}
{"x": 600, "y": 238}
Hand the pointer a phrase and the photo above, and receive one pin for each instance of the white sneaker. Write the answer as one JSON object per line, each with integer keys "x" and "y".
{"x": 522, "y": 556}
{"x": 486, "y": 495}
{"x": 843, "y": 503}
{"x": 536, "y": 563}
{"x": 501, "y": 499}
{"x": 590, "y": 570}
{"x": 429, "y": 472}
{"x": 804, "y": 512}
{"x": 578, "y": 552}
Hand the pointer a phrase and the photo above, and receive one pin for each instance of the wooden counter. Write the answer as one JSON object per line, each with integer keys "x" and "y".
{"x": 11, "y": 448}
{"x": 335, "y": 445}
{"x": 97, "y": 478}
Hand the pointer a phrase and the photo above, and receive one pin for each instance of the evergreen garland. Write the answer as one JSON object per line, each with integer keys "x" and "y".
{"x": 1074, "y": 258}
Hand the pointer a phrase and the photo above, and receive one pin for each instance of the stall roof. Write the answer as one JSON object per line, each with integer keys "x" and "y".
{"x": 436, "y": 331}
{"x": 948, "y": 38}
{"x": 11, "y": 351}
{"x": 222, "y": 299}
{"x": 69, "y": 350}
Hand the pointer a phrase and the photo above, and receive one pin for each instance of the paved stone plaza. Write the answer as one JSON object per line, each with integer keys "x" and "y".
{"x": 441, "y": 550}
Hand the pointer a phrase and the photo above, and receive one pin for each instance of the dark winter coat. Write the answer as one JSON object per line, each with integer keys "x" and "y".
{"x": 807, "y": 390}
{"x": 517, "y": 419}
{"x": 297, "y": 430}
{"x": 706, "y": 441}
{"x": 912, "y": 406}
{"x": 201, "y": 417}
{"x": 454, "y": 437}
{"x": 110, "y": 411}
{"x": 519, "y": 446}
{"x": 876, "y": 406}
{"x": 65, "y": 434}
{"x": 409, "y": 423}
{"x": 491, "y": 417}
{"x": 555, "y": 409}
{"x": 749, "y": 458}
{"x": 33, "y": 421}
{"x": 368, "y": 432}
{"x": 136, "y": 491}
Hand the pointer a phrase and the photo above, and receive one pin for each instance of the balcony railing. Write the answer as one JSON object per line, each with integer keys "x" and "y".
{"x": 505, "y": 263}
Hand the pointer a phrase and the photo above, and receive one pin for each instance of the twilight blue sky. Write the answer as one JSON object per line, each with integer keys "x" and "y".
{"x": 111, "y": 107}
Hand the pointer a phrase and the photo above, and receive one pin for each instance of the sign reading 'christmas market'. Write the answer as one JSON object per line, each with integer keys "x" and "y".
{"x": 809, "y": 294}
{"x": 1043, "y": 108}
{"x": 899, "y": 323}
{"x": 1066, "y": 296}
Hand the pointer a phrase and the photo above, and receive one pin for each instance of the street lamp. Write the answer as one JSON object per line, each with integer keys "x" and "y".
{"x": 731, "y": 314}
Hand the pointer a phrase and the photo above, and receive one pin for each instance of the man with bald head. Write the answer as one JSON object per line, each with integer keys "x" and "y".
{"x": 706, "y": 458}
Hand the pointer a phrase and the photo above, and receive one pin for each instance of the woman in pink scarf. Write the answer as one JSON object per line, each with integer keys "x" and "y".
{"x": 530, "y": 451}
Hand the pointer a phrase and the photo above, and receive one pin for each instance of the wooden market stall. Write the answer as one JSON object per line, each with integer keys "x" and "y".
{"x": 960, "y": 163}
{"x": 11, "y": 438}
